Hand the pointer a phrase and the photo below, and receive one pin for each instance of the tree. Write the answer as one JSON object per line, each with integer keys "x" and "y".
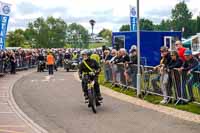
{"x": 49, "y": 33}
{"x": 198, "y": 24}
{"x": 181, "y": 17}
{"x": 78, "y": 36}
{"x": 106, "y": 34}
{"x": 16, "y": 38}
{"x": 165, "y": 25}
{"x": 56, "y": 32}
{"x": 146, "y": 24}
{"x": 125, "y": 28}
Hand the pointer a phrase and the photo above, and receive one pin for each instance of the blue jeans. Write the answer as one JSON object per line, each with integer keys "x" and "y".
{"x": 108, "y": 74}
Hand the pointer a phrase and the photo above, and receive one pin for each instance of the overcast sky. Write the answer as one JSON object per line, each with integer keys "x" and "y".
{"x": 109, "y": 14}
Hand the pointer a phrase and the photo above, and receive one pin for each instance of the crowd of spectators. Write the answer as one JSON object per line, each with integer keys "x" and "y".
{"x": 120, "y": 67}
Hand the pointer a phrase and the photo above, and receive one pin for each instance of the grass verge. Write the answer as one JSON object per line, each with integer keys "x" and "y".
{"x": 190, "y": 107}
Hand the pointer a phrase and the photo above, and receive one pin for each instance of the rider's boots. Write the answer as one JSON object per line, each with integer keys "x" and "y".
{"x": 99, "y": 97}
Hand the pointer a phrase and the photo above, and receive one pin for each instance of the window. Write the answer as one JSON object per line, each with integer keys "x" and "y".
{"x": 119, "y": 42}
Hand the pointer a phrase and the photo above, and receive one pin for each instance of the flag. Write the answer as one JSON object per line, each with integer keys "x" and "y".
{"x": 5, "y": 10}
{"x": 133, "y": 18}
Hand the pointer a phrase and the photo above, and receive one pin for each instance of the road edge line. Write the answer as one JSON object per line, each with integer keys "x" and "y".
{"x": 34, "y": 126}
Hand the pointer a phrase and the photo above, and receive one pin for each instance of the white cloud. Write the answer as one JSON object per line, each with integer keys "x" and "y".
{"x": 109, "y": 13}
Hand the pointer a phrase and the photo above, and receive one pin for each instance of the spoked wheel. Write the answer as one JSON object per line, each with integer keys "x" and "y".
{"x": 93, "y": 102}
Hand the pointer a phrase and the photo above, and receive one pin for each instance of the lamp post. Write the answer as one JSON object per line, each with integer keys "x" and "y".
{"x": 92, "y": 23}
{"x": 138, "y": 45}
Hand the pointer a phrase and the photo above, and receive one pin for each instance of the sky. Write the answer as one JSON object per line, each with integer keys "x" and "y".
{"x": 110, "y": 14}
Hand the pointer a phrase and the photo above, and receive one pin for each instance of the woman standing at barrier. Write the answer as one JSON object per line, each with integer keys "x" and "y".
{"x": 174, "y": 77}
{"x": 163, "y": 77}
{"x": 12, "y": 63}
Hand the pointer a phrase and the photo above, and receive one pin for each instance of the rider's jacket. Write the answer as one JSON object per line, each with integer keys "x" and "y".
{"x": 41, "y": 58}
{"x": 74, "y": 56}
{"x": 91, "y": 63}
{"x": 67, "y": 56}
{"x": 95, "y": 57}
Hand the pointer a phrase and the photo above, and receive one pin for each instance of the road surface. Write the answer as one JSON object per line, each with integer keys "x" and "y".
{"x": 56, "y": 104}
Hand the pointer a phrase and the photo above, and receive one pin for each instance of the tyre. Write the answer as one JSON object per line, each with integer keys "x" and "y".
{"x": 92, "y": 102}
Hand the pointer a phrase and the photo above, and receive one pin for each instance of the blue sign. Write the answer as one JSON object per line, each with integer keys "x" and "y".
{"x": 133, "y": 23}
{"x": 133, "y": 19}
{"x": 3, "y": 30}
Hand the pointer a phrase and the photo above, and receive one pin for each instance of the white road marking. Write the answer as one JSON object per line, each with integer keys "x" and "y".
{"x": 7, "y": 112}
{"x": 6, "y": 126}
{"x": 9, "y": 131}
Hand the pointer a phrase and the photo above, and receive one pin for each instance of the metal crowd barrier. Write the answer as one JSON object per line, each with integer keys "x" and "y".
{"x": 21, "y": 64}
{"x": 1, "y": 67}
{"x": 181, "y": 86}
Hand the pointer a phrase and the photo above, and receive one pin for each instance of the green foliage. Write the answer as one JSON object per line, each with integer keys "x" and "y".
{"x": 146, "y": 24}
{"x": 106, "y": 34}
{"x": 16, "y": 38}
{"x": 125, "y": 28}
{"x": 49, "y": 33}
{"x": 77, "y": 36}
{"x": 181, "y": 17}
{"x": 96, "y": 45}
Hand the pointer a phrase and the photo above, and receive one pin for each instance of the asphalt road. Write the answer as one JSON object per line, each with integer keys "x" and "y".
{"x": 57, "y": 105}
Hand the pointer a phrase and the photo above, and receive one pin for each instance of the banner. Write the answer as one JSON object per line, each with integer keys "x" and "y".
{"x": 4, "y": 17}
{"x": 133, "y": 18}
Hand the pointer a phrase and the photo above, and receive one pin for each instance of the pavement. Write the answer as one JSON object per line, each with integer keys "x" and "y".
{"x": 12, "y": 120}
{"x": 56, "y": 103}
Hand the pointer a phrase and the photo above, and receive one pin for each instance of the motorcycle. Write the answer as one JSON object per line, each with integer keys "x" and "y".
{"x": 74, "y": 65}
{"x": 67, "y": 64}
{"x": 41, "y": 66}
{"x": 93, "y": 101}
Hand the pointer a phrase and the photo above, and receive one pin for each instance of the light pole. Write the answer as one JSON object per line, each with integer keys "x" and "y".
{"x": 138, "y": 44}
{"x": 92, "y": 23}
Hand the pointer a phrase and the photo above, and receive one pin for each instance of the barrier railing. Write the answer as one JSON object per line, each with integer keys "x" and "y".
{"x": 175, "y": 85}
{"x": 21, "y": 64}
{"x": 1, "y": 67}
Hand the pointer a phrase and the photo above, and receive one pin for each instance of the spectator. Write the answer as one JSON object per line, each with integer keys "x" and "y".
{"x": 190, "y": 65}
{"x": 107, "y": 68}
{"x": 175, "y": 63}
{"x": 131, "y": 68}
{"x": 180, "y": 49}
{"x": 163, "y": 76}
{"x": 113, "y": 65}
{"x": 13, "y": 63}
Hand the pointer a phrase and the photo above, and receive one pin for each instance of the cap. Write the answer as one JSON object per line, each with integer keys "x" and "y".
{"x": 164, "y": 48}
{"x": 133, "y": 47}
{"x": 188, "y": 52}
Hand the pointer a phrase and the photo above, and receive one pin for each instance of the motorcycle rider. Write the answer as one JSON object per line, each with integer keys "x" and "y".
{"x": 42, "y": 59}
{"x": 75, "y": 55}
{"x": 67, "y": 55}
{"x": 89, "y": 65}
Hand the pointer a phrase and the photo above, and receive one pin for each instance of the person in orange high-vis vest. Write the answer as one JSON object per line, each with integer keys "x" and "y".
{"x": 50, "y": 63}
